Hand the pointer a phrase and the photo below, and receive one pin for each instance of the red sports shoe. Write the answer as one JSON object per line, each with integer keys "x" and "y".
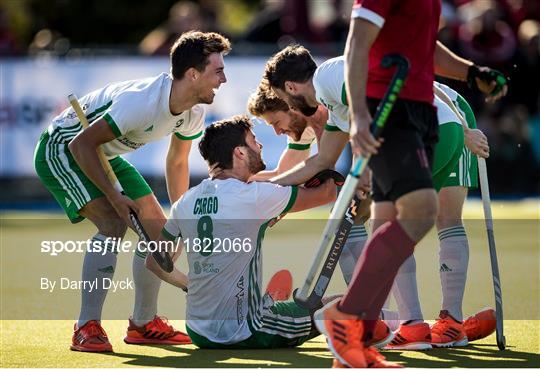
{"x": 382, "y": 335}
{"x": 448, "y": 332}
{"x": 411, "y": 337}
{"x": 90, "y": 338}
{"x": 480, "y": 325}
{"x": 343, "y": 333}
{"x": 280, "y": 285}
{"x": 373, "y": 360}
{"x": 155, "y": 332}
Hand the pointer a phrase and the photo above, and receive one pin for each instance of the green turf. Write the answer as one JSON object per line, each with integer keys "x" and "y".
{"x": 45, "y": 344}
{"x": 28, "y": 342}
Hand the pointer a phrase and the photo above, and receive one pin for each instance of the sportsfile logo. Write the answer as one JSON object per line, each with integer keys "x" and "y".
{"x": 110, "y": 244}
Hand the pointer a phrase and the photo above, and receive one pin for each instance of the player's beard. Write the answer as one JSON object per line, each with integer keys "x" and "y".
{"x": 299, "y": 102}
{"x": 255, "y": 162}
{"x": 297, "y": 126}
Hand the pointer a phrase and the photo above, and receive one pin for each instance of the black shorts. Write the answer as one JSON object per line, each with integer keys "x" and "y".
{"x": 403, "y": 162}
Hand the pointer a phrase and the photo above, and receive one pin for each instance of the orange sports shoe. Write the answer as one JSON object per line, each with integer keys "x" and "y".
{"x": 411, "y": 337}
{"x": 373, "y": 360}
{"x": 448, "y": 332}
{"x": 90, "y": 338}
{"x": 155, "y": 332}
{"x": 343, "y": 334}
{"x": 382, "y": 335}
{"x": 280, "y": 285}
{"x": 480, "y": 325}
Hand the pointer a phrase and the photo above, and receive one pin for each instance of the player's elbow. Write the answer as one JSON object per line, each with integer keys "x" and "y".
{"x": 323, "y": 162}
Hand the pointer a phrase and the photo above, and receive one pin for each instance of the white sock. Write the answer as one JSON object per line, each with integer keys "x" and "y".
{"x": 453, "y": 262}
{"x": 391, "y": 318}
{"x": 406, "y": 292}
{"x": 352, "y": 250}
{"x": 96, "y": 267}
{"x": 146, "y": 291}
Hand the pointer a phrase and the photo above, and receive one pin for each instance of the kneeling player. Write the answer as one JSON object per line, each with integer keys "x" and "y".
{"x": 225, "y": 305}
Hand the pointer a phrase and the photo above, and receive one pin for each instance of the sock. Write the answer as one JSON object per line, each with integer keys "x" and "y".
{"x": 405, "y": 292}
{"x": 96, "y": 267}
{"x": 352, "y": 251}
{"x": 384, "y": 253}
{"x": 453, "y": 262}
{"x": 391, "y": 318}
{"x": 146, "y": 290}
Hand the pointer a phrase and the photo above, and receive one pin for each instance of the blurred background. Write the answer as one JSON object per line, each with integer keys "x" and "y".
{"x": 51, "y": 48}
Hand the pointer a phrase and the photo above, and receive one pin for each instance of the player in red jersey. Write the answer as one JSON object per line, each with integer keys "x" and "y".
{"x": 402, "y": 186}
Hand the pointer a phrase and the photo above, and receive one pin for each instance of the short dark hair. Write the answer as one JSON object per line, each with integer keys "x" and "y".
{"x": 222, "y": 137}
{"x": 293, "y": 63}
{"x": 191, "y": 50}
{"x": 264, "y": 100}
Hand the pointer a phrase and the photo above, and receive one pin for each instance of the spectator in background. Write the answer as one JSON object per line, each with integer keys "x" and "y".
{"x": 8, "y": 42}
{"x": 486, "y": 38}
{"x": 281, "y": 22}
{"x": 183, "y": 16}
{"x": 528, "y": 64}
{"x": 47, "y": 42}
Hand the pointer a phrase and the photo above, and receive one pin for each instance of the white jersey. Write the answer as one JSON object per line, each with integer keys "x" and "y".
{"x": 225, "y": 300}
{"x": 137, "y": 112}
{"x": 329, "y": 83}
{"x": 305, "y": 141}
{"x": 456, "y": 100}
{"x": 445, "y": 114}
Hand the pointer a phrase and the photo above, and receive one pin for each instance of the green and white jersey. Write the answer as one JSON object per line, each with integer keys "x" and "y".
{"x": 305, "y": 141}
{"x": 460, "y": 103}
{"x": 137, "y": 111}
{"x": 225, "y": 301}
{"x": 329, "y": 83}
{"x": 445, "y": 114}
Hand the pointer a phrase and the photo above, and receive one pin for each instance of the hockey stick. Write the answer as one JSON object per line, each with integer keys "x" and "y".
{"x": 347, "y": 191}
{"x": 314, "y": 300}
{"x": 486, "y": 202}
{"x": 161, "y": 257}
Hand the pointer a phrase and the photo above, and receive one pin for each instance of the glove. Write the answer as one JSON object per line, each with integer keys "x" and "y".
{"x": 487, "y": 75}
{"x": 322, "y": 176}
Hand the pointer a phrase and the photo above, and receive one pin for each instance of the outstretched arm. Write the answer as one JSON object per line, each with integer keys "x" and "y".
{"x": 489, "y": 81}
{"x": 330, "y": 148}
{"x": 176, "y": 277}
{"x": 289, "y": 158}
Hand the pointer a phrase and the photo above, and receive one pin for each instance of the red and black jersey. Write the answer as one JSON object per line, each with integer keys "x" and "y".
{"x": 409, "y": 28}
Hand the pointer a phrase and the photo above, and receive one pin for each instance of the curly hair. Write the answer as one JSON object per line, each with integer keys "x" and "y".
{"x": 222, "y": 137}
{"x": 294, "y": 63}
{"x": 264, "y": 100}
